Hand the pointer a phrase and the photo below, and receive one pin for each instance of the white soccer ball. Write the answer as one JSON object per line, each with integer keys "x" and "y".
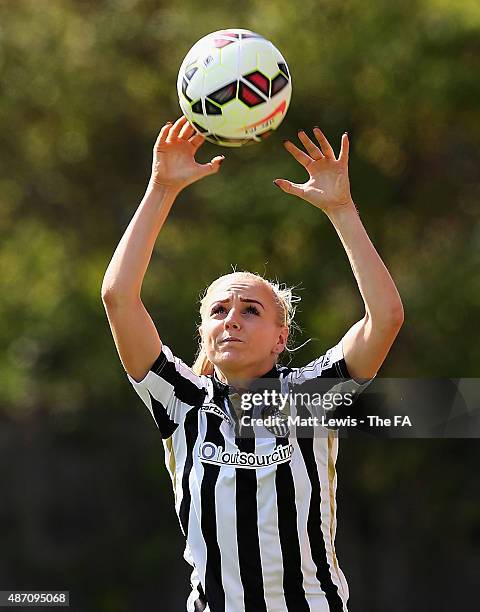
{"x": 234, "y": 87}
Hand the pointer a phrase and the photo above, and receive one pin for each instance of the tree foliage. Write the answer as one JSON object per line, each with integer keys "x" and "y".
{"x": 85, "y": 87}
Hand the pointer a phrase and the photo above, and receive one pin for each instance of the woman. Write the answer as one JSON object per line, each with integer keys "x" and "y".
{"x": 256, "y": 504}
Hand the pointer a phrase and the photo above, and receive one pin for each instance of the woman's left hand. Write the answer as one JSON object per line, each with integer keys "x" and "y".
{"x": 328, "y": 187}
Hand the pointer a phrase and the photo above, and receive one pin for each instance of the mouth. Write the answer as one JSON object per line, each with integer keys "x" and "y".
{"x": 230, "y": 339}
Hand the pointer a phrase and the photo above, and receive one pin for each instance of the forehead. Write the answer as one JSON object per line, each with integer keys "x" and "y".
{"x": 244, "y": 289}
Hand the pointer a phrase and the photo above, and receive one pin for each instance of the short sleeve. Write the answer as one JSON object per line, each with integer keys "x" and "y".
{"x": 170, "y": 390}
{"x": 328, "y": 374}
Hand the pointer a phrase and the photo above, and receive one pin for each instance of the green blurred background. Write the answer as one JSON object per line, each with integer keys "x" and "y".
{"x": 85, "y": 501}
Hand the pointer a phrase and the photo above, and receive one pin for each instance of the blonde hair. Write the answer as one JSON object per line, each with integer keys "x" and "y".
{"x": 283, "y": 297}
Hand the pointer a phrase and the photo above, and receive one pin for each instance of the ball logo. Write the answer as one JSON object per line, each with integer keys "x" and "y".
{"x": 266, "y": 121}
{"x": 208, "y": 60}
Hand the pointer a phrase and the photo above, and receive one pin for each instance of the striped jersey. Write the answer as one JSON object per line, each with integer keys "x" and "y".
{"x": 256, "y": 504}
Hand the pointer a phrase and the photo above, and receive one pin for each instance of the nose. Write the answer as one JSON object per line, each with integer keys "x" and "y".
{"x": 231, "y": 321}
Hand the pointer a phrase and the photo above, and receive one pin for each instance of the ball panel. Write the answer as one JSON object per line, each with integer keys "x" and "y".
{"x": 278, "y": 83}
{"x": 252, "y": 35}
{"x": 219, "y": 43}
{"x": 260, "y": 81}
{"x": 233, "y": 33}
{"x": 212, "y": 109}
{"x": 197, "y": 107}
{"x": 200, "y": 128}
{"x": 215, "y": 80}
{"x": 266, "y": 61}
{"x": 189, "y": 74}
{"x": 283, "y": 67}
{"x": 184, "y": 89}
{"x": 246, "y": 61}
{"x": 238, "y": 117}
{"x": 191, "y": 88}
{"x": 224, "y": 94}
{"x": 248, "y": 96}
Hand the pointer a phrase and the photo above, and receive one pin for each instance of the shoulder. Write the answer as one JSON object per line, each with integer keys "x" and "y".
{"x": 170, "y": 376}
{"x": 329, "y": 365}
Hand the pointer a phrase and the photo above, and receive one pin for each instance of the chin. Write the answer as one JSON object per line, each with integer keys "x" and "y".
{"x": 227, "y": 358}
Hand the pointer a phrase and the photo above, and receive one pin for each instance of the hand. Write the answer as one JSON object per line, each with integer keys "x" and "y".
{"x": 328, "y": 187}
{"x": 174, "y": 164}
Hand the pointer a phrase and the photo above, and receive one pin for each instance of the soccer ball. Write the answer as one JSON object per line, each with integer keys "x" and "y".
{"x": 234, "y": 87}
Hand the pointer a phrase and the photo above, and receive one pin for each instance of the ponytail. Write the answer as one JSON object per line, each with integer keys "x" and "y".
{"x": 202, "y": 365}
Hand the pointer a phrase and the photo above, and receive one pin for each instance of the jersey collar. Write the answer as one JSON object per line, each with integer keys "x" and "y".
{"x": 225, "y": 390}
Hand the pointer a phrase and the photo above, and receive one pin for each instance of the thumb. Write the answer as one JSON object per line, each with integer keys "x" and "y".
{"x": 288, "y": 187}
{"x": 213, "y": 166}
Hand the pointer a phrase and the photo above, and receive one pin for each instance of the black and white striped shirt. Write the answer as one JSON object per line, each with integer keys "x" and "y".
{"x": 258, "y": 512}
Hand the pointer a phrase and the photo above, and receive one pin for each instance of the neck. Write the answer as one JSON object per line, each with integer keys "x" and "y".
{"x": 241, "y": 380}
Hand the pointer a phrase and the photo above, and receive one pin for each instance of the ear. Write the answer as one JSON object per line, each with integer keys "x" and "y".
{"x": 281, "y": 341}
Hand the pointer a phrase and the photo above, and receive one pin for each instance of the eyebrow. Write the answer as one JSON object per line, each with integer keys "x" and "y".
{"x": 249, "y": 300}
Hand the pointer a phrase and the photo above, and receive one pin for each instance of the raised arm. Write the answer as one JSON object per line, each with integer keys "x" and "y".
{"x": 173, "y": 168}
{"x": 367, "y": 342}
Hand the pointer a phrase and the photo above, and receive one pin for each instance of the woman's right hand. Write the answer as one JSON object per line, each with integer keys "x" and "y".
{"x": 174, "y": 164}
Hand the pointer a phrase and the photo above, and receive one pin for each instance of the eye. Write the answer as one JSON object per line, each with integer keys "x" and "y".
{"x": 252, "y": 309}
{"x": 217, "y": 309}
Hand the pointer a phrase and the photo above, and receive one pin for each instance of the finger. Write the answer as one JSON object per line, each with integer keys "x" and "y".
{"x": 186, "y": 131}
{"x": 311, "y": 147}
{"x": 345, "y": 148}
{"x": 289, "y": 187}
{"x": 177, "y": 126}
{"x": 197, "y": 140}
{"x": 213, "y": 166}
{"x": 322, "y": 139}
{"x": 297, "y": 153}
{"x": 162, "y": 136}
